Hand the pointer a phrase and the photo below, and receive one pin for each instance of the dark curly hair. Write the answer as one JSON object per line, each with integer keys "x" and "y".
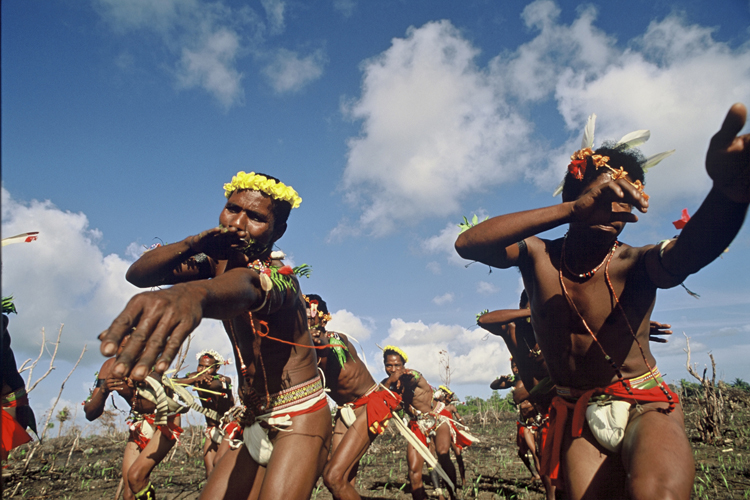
{"x": 631, "y": 160}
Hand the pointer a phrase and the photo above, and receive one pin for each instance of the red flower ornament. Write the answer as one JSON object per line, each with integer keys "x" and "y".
{"x": 680, "y": 223}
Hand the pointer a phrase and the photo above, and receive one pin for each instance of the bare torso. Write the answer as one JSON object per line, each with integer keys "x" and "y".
{"x": 573, "y": 358}
{"x": 349, "y": 383}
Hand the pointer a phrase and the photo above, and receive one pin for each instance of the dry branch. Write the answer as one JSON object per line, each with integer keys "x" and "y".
{"x": 53, "y": 355}
{"x": 51, "y": 410}
{"x": 710, "y": 418}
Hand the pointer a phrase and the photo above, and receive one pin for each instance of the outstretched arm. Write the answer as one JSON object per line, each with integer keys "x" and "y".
{"x": 713, "y": 227}
{"x": 193, "y": 258}
{"x": 94, "y": 406}
{"x": 495, "y": 320}
{"x": 161, "y": 320}
{"x": 493, "y": 242}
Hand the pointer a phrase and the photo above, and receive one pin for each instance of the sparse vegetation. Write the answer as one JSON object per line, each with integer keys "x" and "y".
{"x": 88, "y": 468}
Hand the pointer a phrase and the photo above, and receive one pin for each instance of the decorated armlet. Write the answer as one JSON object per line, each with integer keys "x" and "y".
{"x": 279, "y": 277}
{"x": 339, "y": 348}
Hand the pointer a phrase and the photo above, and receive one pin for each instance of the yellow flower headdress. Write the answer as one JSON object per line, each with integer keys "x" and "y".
{"x": 392, "y": 349}
{"x": 446, "y": 390}
{"x": 256, "y": 182}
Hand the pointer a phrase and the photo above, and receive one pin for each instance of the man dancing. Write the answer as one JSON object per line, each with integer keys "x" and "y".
{"x": 215, "y": 392}
{"x": 591, "y": 299}
{"x": 364, "y": 406}
{"x": 425, "y": 423}
{"x": 287, "y": 425}
{"x": 17, "y": 415}
{"x": 148, "y": 441}
{"x": 459, "y": 432}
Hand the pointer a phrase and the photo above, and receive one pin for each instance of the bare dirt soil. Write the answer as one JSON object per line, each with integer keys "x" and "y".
{"x": 89, "y": 468}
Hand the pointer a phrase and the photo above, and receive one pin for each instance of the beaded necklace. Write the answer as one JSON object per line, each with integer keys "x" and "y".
{"x": 588, "y": 274}
{"x": 607, "y": 357}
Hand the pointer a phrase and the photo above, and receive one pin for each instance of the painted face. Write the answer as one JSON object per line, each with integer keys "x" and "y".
{"x": 252, "y": 212}
{"x": 394, "y": 364}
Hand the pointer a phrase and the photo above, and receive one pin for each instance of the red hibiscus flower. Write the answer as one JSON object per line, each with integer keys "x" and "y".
{"x": 286, "y": 270}
{"x": 680, "y": 223}
{"x": 577, "y": 168}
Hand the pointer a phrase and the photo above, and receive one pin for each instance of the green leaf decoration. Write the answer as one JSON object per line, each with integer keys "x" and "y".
{"x": 482, "y": 313}
{"x": 303, "y": 270}
{"x": 340, "y": 350}
{"x": 9, "y": 306}
{"x": 468, "y": 224}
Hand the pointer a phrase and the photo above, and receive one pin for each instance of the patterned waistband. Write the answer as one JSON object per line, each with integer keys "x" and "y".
{"x": 17, "y": 395}
{"x": 646, "y": 381}
{"x": 292, "y": 396}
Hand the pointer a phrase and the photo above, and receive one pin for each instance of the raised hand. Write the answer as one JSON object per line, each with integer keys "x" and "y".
{"x": 219, "y": 242}
{"x": 609, "y": 201}
{"x": 658, "y": 329}
{"x": 160, "y": 321}
{"x": 728, "y": 157}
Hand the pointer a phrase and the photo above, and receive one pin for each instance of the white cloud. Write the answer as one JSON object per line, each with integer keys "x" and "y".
{"x": 443, "y": 243}
{"x": 203, "y": 40}
{"x": 434, "y": 267}
{"x": 471, "y": 360}
{"x": 289, "y": 72}
{"x": 433, "y": 130}
{"x": 486, "y": 288}
{"x": 664, "y": 80}
{"x": 437, "y": 128}
{"x": 63, "y": 277}
{"x": 211, "y": 65}
{"x": 446, "y": 298}
{"x": 275, "y": 14}
{"x": 345, "y": 322}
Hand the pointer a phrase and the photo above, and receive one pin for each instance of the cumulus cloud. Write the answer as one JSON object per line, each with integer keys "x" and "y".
{"x": 63, "y": 277}
{"x": 443, "y": 244}
{"x": 486, "y": 288}
{"x": 429, "y": 346}
{"x": 275, "y": 14}
{"x": 435, "y": 127}
{"x": 290, "y": 72}
{"x": 446, "y": 298}
{"x": 346, "y": 322}
{"x": 211, "y": 66}
{"x": 664, "y": 80}
{"x": 203, "y": 40}
{"x": 433, "y": 130}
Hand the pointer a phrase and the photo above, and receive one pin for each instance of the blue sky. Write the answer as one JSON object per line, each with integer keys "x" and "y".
{"x": 121, "y": 120}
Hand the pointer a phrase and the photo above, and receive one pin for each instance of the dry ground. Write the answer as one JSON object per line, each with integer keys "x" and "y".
{"x": 89, "y": 468}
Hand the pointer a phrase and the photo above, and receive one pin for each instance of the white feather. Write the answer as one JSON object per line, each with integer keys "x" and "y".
{"x": 652, "y": 161}
{"x": 633, "y": 139}
{"x": 559, "y": 188}
{"x": 588, "y": 133}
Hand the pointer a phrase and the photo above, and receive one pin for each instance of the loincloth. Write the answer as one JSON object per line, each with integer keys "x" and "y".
{"x": 142, "y": 429}
{"x": 425, "y": 426}
{"x": 380, "y": 404}
{"x": 301, "y": 399}
{"x": 13, "y": 434}
{"x": 231, "y": 431}
{"x": 644, "y": 389}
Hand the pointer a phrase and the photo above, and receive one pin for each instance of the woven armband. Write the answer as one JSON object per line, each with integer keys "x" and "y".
{"x": 662, "y": 246}
{"x": 523, "y": 250}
